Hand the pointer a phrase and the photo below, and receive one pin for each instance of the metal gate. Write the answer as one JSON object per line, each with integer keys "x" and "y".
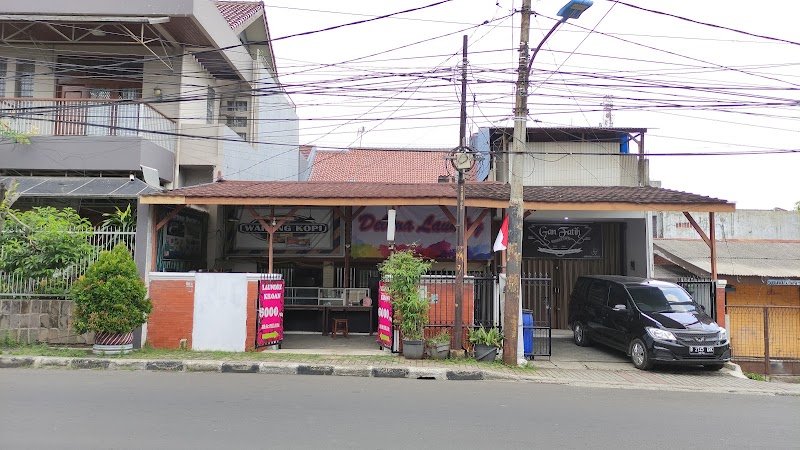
{"x": 537, "y": 316}
{"x": 704, "y": 292}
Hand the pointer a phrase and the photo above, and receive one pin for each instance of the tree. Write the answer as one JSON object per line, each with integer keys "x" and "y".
{"x": 6, "y": 132}
{"x": 38, "y": 242}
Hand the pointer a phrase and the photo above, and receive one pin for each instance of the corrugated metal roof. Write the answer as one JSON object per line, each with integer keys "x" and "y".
{"x": 79, "y": 187}
{"x": 735, "y": 257}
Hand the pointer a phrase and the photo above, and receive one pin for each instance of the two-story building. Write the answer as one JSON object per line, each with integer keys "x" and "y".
{"x": 128, "y": 97}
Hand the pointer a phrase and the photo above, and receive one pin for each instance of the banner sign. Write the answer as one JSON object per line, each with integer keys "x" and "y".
{"x": 563, "y": 240}
{"x": 384, "y": 315}
{"x": 269, "y": 325}
{"x": 309, "y": 232}
{"x": 427, "y": 227}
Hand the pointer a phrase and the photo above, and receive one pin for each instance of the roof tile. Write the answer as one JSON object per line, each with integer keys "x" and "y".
{"x": 237, "y": 13}
{"x": 387, "y": 165}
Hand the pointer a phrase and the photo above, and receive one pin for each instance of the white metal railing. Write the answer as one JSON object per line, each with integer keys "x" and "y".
{"x": 88, "y": 117}
{"x": 16, "y": 285}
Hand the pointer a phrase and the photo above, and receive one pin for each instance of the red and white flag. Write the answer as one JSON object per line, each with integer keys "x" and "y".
{"x": 501, "y": 243}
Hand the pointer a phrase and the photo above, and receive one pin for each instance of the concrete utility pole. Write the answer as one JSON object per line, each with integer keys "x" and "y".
{"x": 514, "y": 251}
{"x": 460, "y": 211}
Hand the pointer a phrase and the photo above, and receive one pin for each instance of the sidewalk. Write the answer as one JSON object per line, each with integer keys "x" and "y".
{"x": 694, "y": 380}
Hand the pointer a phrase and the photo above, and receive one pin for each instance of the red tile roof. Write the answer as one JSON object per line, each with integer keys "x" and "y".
{"x": 237, "y": 13}
{"x": 477, "y": 194}
{"x": 305, "y": 150}
{"x": 386, "y": 165}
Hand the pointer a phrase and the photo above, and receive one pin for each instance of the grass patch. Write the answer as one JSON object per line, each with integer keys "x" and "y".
{"x": 44, "y": 350}
{"x": 755, "y": 376}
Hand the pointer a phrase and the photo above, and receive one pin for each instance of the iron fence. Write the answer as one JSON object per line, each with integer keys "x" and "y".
{"x": 767, "y": 333}
{"x": 703, "y": 291}
{"x": 57, "y": 286}
{"x": 537, "y": 334}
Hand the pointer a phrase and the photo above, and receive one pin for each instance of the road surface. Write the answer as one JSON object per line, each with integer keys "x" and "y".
{"x": 101, "y": 409}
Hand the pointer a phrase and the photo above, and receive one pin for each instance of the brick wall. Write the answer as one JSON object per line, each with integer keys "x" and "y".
{"x": 252, "y": 293}
{"x": 30, "y": 321}
{"x": 173, "y": 313}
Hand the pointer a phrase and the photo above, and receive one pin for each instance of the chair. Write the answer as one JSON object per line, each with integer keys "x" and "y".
{"x": 339, "y": 325}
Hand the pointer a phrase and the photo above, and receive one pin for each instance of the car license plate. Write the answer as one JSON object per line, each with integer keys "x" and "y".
{"x": 701, "y": 350}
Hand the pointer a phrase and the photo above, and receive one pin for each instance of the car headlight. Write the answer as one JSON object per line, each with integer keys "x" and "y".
{"x": 723, "y": 335}
{"x": 660, "y": 335}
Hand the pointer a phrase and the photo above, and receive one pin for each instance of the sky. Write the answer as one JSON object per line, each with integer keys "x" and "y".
{"x": 697, "y": 88}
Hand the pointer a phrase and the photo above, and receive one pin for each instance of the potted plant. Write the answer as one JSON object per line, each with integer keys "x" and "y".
{"x": 111, "y": 300}
{"x": 404, "y": 270}
{"x": 439, "y": 345}
{"x": 485, "y": 342}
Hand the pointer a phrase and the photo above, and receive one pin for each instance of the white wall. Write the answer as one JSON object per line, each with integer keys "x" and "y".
{"x": 220, "y": 312}
{"x": 276, "y": 131}
{"x": 573, "y": 164}
{"x": 742, "y": 224}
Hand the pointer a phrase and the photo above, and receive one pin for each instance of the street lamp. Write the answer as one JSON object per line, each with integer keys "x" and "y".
{"x": 572, "y": 10}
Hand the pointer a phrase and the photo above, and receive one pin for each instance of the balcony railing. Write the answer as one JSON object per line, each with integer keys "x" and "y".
{"x": 88, "y": 117}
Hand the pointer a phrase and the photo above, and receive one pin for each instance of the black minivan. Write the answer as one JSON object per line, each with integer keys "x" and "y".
{"x": 652, "y": 321}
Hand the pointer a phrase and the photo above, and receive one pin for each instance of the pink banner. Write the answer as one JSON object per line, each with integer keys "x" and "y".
{"x": 384, "y": 315}
{"x": 269, "y": 327}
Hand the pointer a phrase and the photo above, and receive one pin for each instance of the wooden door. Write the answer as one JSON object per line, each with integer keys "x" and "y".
{"x": 71, "y": 116}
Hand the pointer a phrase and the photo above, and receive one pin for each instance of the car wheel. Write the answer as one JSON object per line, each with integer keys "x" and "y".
{"x": 714, "y": 366}
{"x": 640, "y": 356}
{"x": 579, "y": 335}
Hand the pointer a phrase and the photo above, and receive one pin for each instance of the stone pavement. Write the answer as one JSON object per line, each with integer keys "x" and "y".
{"x": 681, "y": 379}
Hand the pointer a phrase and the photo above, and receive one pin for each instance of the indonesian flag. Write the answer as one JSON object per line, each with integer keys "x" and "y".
{"x": 501, "y": 243}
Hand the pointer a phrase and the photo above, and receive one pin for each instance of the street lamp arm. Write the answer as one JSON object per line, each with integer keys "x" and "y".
{"x": 530, "y": 62}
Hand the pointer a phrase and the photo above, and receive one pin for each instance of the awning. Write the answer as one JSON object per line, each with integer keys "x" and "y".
{"x": 79, "y": 187}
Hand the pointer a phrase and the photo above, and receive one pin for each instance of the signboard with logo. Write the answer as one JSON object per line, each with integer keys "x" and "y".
{"x": 269, "y": 323}
{"x": 562, "y": 240}
{"x": 310, "y": 231}
{"x": 782, "y": 282}
{"x": 427, "y": 227}
{"x": 384, "y": 315}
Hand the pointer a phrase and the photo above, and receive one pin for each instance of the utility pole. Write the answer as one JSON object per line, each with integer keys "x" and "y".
{"x": 460, "y": 209}
{"x": 515, "y": 204}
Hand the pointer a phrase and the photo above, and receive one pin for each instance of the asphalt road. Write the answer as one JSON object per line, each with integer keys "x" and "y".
{"x": 103, "y": 409}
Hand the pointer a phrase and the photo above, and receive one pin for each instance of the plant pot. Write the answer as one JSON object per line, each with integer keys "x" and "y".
{"x": 485, "y": 353}
{"x": 113, "y": 343}
{"x": 413, "y": 349}
{"x": 439, "y": 350}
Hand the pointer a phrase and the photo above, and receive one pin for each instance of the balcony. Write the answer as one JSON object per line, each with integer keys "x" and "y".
{"x": 88, "y": 117}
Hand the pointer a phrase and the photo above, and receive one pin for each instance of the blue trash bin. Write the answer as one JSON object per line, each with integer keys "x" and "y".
{"x": 527, "y": 331}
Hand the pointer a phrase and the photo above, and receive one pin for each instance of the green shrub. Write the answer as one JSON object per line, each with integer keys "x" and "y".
{"x": 440, "y": 338}
{"x": 110, "y": 297}
{"x": 404, "y": 270}
{"x": 491, "y": 336}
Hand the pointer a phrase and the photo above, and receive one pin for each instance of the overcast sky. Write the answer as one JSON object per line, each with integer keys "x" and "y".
{"x": 393, "y": 82}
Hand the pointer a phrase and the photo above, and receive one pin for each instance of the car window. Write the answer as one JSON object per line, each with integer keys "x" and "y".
{"x": 617, "y": 296}
{"x": 598, "y": 292}
{"x": 661, "y": 299}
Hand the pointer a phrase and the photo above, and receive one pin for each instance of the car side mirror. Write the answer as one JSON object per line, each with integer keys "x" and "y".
{"x": 702, "y": 308}
{"x": 620, "y": 308}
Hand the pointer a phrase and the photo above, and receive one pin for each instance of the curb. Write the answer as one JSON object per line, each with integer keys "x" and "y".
{"x": 410, "y": 372}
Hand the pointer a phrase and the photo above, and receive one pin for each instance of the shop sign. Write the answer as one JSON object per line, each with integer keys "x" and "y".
{"x": 427, "y": 228}
{"x": 269, "y": 326}
{"x": 384, "y": 315}
{"x": 783, "y": 282}
{"x": 562, "y": 240}
{"x": 309, "y": 231}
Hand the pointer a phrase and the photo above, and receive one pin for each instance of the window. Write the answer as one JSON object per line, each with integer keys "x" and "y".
{"x": 243, "y": 136}
{"x": 211, "y": 95}
{"x": 598, "y": 292}
{"x": 237, "y": 106}
{"x": 653, "y": 299}
{"x": 236, "y": 122}
{"x": 24, "y": 79}
{"x": 617, "y": 296}
{"x": 3, "y": 68}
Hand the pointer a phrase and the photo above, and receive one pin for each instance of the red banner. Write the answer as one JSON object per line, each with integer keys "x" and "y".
{"x": 384, "y": 315}
{"x": 269, "y": 326}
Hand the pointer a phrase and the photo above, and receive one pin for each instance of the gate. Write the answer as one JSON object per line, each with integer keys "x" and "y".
{"x": 704, "y": 292}
{"x": 537, "y": 316}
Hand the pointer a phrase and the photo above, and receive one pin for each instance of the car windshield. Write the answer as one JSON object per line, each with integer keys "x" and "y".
{"x": 651, "y": 299}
